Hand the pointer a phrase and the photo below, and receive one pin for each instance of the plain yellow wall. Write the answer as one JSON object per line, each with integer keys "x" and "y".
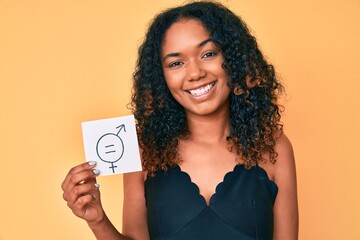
{"x": 64, "y": 62}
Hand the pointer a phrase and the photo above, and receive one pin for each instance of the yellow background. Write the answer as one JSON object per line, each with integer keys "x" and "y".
{"x": 64, "y": 62}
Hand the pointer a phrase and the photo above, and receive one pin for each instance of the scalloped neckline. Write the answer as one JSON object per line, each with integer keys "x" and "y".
{"x": 216, "y": 187}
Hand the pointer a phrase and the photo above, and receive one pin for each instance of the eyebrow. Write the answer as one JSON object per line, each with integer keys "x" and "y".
{"x": 178, "y": 54}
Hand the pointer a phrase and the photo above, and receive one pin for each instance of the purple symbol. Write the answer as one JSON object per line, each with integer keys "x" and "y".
{"x": 110, "y": 147}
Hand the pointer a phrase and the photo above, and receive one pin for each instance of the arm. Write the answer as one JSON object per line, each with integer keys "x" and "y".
{"x": 134, "y": 211}
{"x": 286, "y": 219}
{"x": 105, "y": 230}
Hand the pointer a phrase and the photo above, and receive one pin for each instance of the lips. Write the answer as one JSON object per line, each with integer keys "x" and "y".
{"x": 201, "y": 90}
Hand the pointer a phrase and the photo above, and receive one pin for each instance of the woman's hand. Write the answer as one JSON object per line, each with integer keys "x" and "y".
{"x": 81, "y": 192}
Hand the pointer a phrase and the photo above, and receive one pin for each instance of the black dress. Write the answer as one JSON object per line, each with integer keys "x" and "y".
{"x": 241, "y": 208}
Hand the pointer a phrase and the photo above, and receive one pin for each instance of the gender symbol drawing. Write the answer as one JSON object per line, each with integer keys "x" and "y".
{"x": 110, "y": 147}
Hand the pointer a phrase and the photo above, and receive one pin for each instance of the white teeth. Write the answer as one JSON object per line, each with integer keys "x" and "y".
{"x": 202, "y": 90}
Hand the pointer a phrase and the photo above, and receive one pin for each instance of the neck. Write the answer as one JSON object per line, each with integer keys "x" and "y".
{"x": 209, "y": 129}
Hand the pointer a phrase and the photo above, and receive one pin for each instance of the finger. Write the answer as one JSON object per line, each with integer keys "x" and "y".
{"x": 77, "y": 169}
{"x": 81, "y": 190}
{"x": 81, "y": 178}
{"x": 79, "y": 206}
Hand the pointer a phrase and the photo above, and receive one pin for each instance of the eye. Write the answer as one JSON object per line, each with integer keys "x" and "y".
{"x": 175, "y": 64}
{"x": 209, "y": 54}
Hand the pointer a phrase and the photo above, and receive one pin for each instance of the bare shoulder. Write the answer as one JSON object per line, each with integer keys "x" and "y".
{"x": 285, "y": 162}
{"x": 283, "y": 145}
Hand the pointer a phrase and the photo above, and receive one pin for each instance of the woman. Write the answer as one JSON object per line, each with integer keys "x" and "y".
{"x": 217, "y": 164}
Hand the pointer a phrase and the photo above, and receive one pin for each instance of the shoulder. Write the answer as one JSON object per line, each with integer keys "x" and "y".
{"x": 283, "y": 146}
{"x": 285, "y": 161}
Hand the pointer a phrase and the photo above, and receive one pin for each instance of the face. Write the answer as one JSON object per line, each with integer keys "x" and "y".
{"x": 192, "y": 67}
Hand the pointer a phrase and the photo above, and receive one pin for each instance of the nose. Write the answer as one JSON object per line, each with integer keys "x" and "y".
{"x": 195, "y": 71}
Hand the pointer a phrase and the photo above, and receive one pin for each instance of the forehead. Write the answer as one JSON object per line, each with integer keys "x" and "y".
{"x": 184, "y": 33}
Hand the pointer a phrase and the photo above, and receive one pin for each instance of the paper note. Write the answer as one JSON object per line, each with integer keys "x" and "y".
{"x": 113, "y": 144}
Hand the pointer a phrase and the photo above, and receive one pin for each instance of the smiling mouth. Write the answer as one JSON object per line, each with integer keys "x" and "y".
{"x": 202, "y": 90}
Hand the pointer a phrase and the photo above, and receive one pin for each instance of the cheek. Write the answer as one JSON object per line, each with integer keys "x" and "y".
{"x": 173, "y": 81}
{"x": 169, "y": 82}
{"x": 216, "y": 68}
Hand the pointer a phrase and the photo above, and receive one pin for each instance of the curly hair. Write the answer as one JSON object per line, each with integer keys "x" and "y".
{"x": 254, "y": 109}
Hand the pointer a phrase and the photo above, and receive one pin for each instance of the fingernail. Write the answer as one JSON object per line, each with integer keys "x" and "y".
{"x": 92, "y": 163}
{"x": 96, "y": 171}
{"x": 96, "y": 185}
{"x": 94, "y": 197}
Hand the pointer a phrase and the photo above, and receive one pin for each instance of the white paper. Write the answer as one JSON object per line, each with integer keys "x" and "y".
{"x": 113, "y": 144}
